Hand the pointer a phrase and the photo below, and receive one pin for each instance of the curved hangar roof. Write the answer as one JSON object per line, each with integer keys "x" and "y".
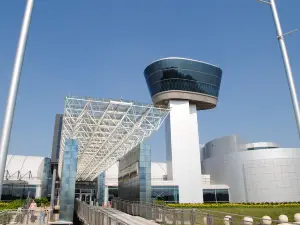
{"x": 25, "y": 168}
{"x": 183, "y": 79}
{"x": 106, "y": 130}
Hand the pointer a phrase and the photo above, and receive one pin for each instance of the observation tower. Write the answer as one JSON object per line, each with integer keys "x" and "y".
{"x": 186, "y": 86}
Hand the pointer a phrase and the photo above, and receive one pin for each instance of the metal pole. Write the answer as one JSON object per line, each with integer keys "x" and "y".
{"x": 13, "y": 91}
{"x": 287, "y": 65}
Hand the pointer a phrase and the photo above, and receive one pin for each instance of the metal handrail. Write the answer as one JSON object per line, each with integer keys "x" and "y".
{"x": 164, "y": 214}
{"x": 92, "y": 215}
{"x": 24, "y": 216}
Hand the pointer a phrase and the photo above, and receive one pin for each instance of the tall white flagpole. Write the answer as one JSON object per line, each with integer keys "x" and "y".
{"x": 13, "y": 91}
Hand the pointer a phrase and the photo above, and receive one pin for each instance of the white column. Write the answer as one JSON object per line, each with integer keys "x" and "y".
{"x": 105, "y": 195}
{"x": 183, "y": 151}
{"x": 38, "y": 191}
{"x": 53, "y": 189}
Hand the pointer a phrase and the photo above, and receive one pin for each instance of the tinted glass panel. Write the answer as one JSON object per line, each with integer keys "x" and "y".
{"x": 112, "y": 193}
{"x": 185, "y": 85}
{"x": 209, "y": 195}
{"x": 183, "y": 64}
{"x": 222, "y": 195}
{"x": 17, "y": 191}
{"x": 184, "y": 75}
{"x": 260, "y": 148}
{"x": 166, "y": 193}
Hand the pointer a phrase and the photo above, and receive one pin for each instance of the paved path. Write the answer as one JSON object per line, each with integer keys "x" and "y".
{"x": 24, "y": 218}
{"x": 117, "y": 217}
{"x": 129, "y": 219}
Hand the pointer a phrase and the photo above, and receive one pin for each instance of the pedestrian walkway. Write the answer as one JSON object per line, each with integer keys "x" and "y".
{"x": 94, "y": 215}
{"x": 128, "y": 219}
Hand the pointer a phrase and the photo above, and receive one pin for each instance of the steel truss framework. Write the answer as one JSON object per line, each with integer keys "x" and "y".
{"x": 105, "y": 130}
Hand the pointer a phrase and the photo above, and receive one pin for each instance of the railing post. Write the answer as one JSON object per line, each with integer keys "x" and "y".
{"x": 182, "y": 217}
{"x": 174, "y": 217}
{"x": 102, "y": 218}
{"x": 94, "y": 216}
{"x": 133, "y": 208}
{"x": 210, "y": 219}
{"x": 27, "y": 219}
{"x": 98, "y": 218}
{"x": 153, "y": 212}
{"x": 164, "y": 215}
{"x": 193, "y": 217}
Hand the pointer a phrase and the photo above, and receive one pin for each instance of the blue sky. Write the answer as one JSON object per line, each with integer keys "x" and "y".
{"x": 100, "y": 48}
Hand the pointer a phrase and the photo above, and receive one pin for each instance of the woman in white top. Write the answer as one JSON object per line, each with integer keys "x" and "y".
{"x": 32, "y": 207}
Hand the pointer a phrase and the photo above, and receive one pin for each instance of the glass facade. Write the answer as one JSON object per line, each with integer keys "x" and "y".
{"x": 183, "y": 74}
{"x": 260, "y": 148}
{"x": 135, "y": 175}
{"x": 112, "y": 192}
{"x": 46, "y": 179}
{"x": 168, "y": 194}
{"x": 101, "y": 188}
{"x": 17, "y": 191}
{"x": 145, "y": 173}
{"x": 215, "y": 195}
{"x": 68, "y": 180}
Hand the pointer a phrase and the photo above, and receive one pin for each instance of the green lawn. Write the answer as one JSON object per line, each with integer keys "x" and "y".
{"x": 274, "y": 213}
{"x": 237, "y": 214}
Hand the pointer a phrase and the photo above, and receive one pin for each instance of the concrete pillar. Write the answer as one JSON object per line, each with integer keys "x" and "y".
{"x": 183, "y": 151}
{"x": 105, "y": 195}
{"x": 53, "y": 188}
{"x": 68, "y": 180}
{"x": 38, "y": 191}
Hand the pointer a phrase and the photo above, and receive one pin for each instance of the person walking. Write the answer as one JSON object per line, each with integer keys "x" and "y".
{"x": 32, "y": 207}
{"x": 42, "y": 214}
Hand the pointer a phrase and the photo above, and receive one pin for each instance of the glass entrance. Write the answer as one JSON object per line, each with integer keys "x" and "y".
{"x": 85, "y": 198}
{"x": 85, "y": 194}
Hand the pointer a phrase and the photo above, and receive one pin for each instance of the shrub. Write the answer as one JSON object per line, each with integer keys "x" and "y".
{"x": 40, "y": 201}
{"x": 3, "y": 204}
{"x": 11, "y": 205}
{"x": 16, "y": 204}
{"x": 159, "y": 202}
{"x": 237, "y": 205}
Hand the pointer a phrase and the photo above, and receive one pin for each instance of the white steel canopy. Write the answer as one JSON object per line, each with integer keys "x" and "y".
{"x": 105, "y": 130}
